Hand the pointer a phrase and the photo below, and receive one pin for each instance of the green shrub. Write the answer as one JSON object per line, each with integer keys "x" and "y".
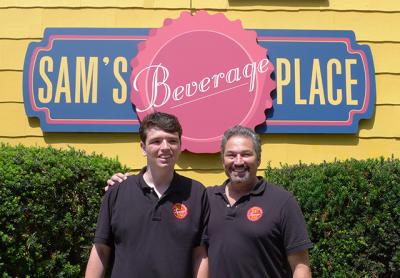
{"x": 352, "y": 209}
{"x": 49, "y": 205}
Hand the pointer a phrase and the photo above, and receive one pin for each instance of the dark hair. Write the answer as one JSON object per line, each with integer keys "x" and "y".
{"x": 244, "y": 132}
{"x": 166, "y": 122}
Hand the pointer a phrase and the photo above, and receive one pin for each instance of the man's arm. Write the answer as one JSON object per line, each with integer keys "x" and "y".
{"x": 200, "y": 262}
{"x": 98, "y": 261}
{"x": 300, "y": 265}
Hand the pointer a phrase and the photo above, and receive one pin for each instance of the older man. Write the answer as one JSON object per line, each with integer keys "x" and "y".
{"x": 256, "y": 229}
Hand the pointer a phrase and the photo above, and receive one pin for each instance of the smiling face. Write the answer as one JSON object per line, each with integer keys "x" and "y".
{"x": 161, "y": 148}
{"x": 240, "y": 160}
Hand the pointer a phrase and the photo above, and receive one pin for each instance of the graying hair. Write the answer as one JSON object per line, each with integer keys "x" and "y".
{"x": 243, "y": 132}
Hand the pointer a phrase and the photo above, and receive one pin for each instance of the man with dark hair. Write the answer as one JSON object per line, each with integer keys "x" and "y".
{"x": 256, "y": 229}
{"x": 154, "y": 221}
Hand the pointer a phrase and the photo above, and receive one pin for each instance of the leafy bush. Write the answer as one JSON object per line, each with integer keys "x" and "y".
{"x": 49, "y": 205}
{"x": 352, "y": 209}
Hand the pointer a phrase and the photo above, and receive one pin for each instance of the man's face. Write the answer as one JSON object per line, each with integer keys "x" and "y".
{"x": 240, "y": 160}
{"x": 161, "y": 148}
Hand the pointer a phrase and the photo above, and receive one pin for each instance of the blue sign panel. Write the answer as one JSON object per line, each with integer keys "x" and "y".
{"x": 325, "y": 81}
{"x": 78, "y": 80}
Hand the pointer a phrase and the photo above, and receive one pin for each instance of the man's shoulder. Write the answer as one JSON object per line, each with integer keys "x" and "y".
{"x": 276, "y": 192}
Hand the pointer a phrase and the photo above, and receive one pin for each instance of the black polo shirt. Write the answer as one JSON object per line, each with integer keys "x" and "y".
{"x": 153, "y": 237}
{"x": 253, "y": 237}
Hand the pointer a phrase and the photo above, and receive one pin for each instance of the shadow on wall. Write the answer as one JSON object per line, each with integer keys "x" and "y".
{"x": 309, "y": 139}
{"x": 90, "y": 138}
{"x": 312, "y": 139}
{"x": 280, "y": 3}
{"x": 85, "y": 137}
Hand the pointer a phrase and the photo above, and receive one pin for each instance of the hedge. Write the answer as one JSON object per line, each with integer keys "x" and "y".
{"x": 352, "y": 209}
{"x": 50, "y": 200}
{"x": 49, "y": 204}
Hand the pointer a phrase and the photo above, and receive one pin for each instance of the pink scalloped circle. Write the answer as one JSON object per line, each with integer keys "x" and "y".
{"x": 183, "y": 68}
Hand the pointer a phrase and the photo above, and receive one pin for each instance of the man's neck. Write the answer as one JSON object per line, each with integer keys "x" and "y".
{"x": 159, "y": 180}
{"x": 234, "y": 191}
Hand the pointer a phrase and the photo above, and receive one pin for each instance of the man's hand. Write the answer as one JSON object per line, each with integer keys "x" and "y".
{"x": 118, "y": 177}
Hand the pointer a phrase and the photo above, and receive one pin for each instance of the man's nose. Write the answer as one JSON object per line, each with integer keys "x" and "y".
{"x": 238, "y": 159}
{"x": 165, "y": 144}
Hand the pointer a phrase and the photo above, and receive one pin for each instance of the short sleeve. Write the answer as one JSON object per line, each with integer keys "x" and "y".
{"x": 103, "y": 229}
{"x": 295, "y": 236}
{"x": 205, "y": 216}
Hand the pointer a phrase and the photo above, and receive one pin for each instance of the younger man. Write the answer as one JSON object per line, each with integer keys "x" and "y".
{"x": 155, "y": 220}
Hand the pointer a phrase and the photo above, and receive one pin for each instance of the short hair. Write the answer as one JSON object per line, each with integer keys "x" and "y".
{"x": 166, "y": 122}
{"x": 242, "y": 131}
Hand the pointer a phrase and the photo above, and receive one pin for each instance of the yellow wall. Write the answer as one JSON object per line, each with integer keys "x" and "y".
{"x": 375, "y": 23}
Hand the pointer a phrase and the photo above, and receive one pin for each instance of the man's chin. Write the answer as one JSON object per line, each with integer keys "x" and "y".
{"x": 238, "y": 178}
{"x": 166, "y": 164}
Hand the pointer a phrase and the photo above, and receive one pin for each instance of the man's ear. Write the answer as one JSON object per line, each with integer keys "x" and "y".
{"x": 143, "y": 147}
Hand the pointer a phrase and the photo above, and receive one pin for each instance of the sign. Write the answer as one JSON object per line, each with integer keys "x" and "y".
{"x": 207, "y": 71}
{"x": 325, "y": 81}
{"x": 81, "y": 79}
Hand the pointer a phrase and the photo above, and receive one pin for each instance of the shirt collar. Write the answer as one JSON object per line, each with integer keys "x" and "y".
{"x": 257, "y": 189}
{"x": 175, "y": 185}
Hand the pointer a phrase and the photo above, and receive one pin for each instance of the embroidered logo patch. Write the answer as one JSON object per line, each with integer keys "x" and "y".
{"x": 254, "y": 213}
{"x": 179, "y": 210}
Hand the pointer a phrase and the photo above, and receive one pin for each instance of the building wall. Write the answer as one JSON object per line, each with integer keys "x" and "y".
{"x": 374, "y": 23}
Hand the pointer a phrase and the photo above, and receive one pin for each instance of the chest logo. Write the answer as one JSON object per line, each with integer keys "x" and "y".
{"x": 254, "y": 214}
{"x": 179, "y": 210}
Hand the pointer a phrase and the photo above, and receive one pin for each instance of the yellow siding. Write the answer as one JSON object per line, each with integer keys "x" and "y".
{"x": 366, "y": 26}
{"x": 14, "y": 20}
{"x": 383, "y": 61}
{"x": 374, "y": 23}
{"x": 298, "y": 5}
{"x": 379, "y": 125}
{"x": 379, "y": 27}
{"x": 12, "y": 54}
{"x": 101, "y": 3}
{"x": 11, "y": 86}
{"x": 388, "y": 89}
